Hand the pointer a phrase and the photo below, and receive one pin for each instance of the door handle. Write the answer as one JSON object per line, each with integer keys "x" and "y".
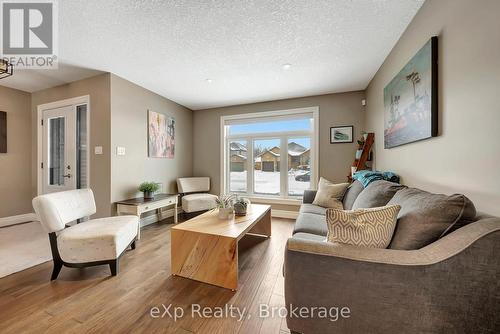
{"x": 67, "y": 175}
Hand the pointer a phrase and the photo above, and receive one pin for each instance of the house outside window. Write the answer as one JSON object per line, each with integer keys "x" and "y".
{"x": 255, "y": 165}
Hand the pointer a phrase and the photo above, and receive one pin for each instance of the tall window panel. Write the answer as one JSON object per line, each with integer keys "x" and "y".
{"x": 238, "y": 165}
{"x": 299, "y": 165}
{"x": 266, "y": 154}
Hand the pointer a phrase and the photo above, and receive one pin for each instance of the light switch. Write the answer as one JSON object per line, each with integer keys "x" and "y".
{"x": 120, "y": 150}
{"x": 98, "y": 150}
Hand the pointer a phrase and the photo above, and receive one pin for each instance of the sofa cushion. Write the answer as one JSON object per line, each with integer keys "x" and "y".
{"x": 371, "y": 227}
{"x": 97, "y": 239}
{"x": 377, "y": 194}
{"x": 351, "y": 194}
{"x": 311, "y": 208}
{"x": 425, "y": 217}
{"x": 309, "y": 196}
{"x": 311, "y": 223}
{"x": 309, "y": 236}
{"x": 469, "y": 216}
{"x": 329, "y": 194}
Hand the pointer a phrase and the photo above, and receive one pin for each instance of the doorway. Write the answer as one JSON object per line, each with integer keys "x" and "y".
{"x": 63, "y": 155}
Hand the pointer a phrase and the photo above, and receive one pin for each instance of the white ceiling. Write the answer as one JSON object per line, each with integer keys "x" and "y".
{"x": 172, "y": 47}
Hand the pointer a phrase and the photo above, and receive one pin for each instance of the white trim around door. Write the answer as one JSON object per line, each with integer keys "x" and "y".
{"x": 76, "y": 101}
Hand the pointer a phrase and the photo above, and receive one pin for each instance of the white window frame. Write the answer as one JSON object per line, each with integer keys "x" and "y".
{"x": 284, "y": 136}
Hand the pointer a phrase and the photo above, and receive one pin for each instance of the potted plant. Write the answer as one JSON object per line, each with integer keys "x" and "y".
{"x": 240, "y": 206}
{"x": 225, "y": 206}
{"x": 149, "y": 189}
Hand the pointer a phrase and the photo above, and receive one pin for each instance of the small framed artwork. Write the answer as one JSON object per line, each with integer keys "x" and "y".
{"x": 341, "y": 134}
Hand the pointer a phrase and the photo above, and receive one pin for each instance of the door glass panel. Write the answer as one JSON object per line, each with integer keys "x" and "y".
{"x": 238, "y": 166}
{"x": 299, "y": 165}
{"x": 81, "y": 147}
{"x": 56, "y": 151}
{"x": 266, "y": 154}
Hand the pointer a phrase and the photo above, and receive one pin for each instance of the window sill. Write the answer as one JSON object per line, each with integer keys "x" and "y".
{"x": 274, "y": 200}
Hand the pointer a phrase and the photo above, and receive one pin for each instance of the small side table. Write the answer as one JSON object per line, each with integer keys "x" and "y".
{"x": 138, "y": 206}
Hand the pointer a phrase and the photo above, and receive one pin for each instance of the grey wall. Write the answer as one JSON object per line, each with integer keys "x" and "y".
{"x": 15, "y": 165}
{"x": 98, "y": 87}
{"x": 118, "y": 117}
{"x": 334, "y": 109}
{"x": 129, "y": 112}
{"x": 465, "y": 158}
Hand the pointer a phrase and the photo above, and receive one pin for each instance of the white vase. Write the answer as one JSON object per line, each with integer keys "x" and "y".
{"x": 226, "y": 213}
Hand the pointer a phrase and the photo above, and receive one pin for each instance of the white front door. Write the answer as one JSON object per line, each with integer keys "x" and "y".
{"x": 59, "y": 149}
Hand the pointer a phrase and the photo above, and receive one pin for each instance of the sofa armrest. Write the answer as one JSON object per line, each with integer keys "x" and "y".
{"x": 440, "y": 250}
{"x": 309, "y": 196}
{"x": 433, "y": 289}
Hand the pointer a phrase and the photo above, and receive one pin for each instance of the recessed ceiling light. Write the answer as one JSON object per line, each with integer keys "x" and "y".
{"x": 209, "y": 81}
{"x": 286, "y": 66}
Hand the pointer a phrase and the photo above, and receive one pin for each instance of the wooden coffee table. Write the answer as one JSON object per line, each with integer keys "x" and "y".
{"x": 205, "y": 248}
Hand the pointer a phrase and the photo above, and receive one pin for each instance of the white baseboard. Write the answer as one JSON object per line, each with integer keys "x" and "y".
{"x": 284, "y": 214}
{"x": 13, "y": 220}
{"x": 155, "y": 218}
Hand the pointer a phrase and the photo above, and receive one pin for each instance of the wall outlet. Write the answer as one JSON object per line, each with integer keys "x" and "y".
{"x": 98, "y": 150}
{"x": 120, "y": 150}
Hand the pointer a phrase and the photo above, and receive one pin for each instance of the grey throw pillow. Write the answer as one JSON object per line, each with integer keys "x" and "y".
{"x": 425, "y": 217}
{"x": 378, "y": 193}
{"x": 351, "y": 194}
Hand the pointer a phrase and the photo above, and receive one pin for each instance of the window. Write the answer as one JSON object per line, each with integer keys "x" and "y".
{"x": 270, "y": 154}
{"x": 238, "y": 166}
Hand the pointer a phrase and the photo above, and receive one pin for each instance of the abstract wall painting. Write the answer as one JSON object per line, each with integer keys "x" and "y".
{"x": 161, "y": 135}
{"x": 410, "y": 100}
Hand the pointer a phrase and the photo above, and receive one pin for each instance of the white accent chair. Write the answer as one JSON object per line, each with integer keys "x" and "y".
{"x": 194, "y": 192}
{"x": 90, "y": 243}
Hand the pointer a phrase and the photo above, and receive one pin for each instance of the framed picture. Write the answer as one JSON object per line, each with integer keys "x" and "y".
{"x": 161, "y": 135}
{"x": 411, "y": 100}
{"x": 341, "y": 134}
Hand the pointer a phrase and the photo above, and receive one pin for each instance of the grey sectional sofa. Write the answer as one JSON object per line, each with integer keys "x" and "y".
{"x": 450, "y": 285}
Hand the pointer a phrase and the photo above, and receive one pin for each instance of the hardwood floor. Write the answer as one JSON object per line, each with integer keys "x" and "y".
{"x": 91, "y": 301}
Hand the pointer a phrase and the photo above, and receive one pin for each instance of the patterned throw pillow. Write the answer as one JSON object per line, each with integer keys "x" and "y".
{"x": 363, "y": 227}
{"x": 329, "y": 195}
